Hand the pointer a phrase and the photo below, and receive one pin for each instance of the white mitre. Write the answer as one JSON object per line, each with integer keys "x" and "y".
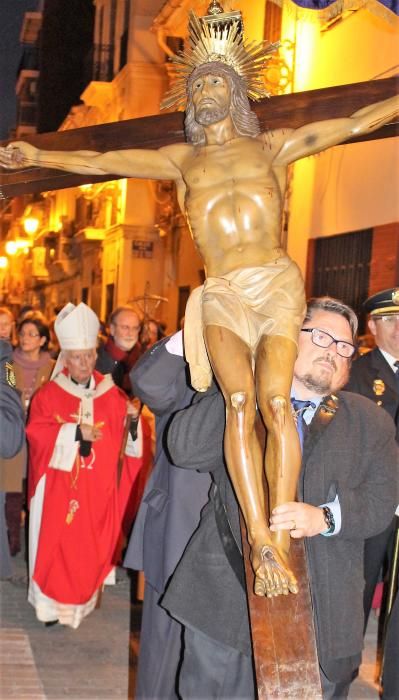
{"x": 76, "y": 328}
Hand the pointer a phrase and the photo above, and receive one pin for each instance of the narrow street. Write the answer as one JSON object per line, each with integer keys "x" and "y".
{"x": 50, "y": 663}
{"x": 98, "y": 660}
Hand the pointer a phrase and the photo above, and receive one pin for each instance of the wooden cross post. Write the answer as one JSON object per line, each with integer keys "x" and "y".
{"x": 282, "y": 628}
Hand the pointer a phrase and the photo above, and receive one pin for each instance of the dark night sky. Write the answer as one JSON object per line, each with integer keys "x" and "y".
{"x": 11, "y": 16}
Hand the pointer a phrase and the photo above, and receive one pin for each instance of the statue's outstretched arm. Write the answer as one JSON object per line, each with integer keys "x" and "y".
{"x": 142, "y": 163}
{"x": 315, "y": 137}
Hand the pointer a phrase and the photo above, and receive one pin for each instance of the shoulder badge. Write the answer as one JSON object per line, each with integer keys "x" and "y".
{"x": 10, "y": 374}
{"x": 378, "y": 387}
{"x": 395, "y": 296}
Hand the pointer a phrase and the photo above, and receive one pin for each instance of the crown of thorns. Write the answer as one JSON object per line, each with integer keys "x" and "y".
{"x": 218, "y": 37}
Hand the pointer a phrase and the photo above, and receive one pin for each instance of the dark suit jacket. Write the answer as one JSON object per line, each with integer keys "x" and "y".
{"x": 173, "y": 498}
{"x": 204, "y": 592}
{"x": 365, "y": 371}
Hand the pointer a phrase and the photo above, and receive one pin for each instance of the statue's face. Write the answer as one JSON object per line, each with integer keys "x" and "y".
{"x": 211, "y": 96}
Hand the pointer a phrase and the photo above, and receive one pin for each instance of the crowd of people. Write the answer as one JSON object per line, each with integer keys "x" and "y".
{"x": 85, "y": 474}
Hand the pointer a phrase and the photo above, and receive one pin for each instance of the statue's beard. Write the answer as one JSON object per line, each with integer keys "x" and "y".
{"x": 211, "y": 114}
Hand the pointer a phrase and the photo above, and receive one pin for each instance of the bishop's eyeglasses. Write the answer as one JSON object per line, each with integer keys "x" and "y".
{"x": 324, "y": 340}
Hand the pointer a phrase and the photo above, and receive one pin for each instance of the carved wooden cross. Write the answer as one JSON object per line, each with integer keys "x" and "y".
{"x": 282, "y": 629}
{"x": 292, "y": 111}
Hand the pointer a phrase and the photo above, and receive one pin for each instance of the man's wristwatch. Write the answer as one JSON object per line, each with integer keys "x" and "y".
{"x": 329, "y": 520}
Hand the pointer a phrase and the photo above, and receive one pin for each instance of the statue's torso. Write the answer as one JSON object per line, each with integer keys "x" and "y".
{"x": 233, "y": 200}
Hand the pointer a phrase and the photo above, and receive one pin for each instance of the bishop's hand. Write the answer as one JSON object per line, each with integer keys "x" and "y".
{"x": 91, "y": 433}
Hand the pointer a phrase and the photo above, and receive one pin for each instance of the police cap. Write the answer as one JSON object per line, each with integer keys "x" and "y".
{"x": 383, "y": 303}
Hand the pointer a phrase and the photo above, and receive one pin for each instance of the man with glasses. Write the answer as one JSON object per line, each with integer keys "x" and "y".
{"x": 376, "y": 375}
{"x": 342, "y": 500}
{"x": 122, "y": 349}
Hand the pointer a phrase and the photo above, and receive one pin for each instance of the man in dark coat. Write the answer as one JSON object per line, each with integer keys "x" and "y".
{"x": 167, "y": 517}
{"x": 375, "y": 375}
{"x": 341, "y": 501}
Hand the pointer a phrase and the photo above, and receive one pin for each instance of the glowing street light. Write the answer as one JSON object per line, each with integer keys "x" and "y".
{"x": 30, "y": 224}
{"x": 11, "y": 247}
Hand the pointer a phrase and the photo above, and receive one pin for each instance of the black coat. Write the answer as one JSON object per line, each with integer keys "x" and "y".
{"x": 205, "y": 593}
{"x": 173, "y": 498}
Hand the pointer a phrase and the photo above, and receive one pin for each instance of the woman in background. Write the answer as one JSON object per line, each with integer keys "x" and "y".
{"x": 32, "y": 366}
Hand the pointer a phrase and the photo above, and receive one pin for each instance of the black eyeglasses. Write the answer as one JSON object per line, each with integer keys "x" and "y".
{"x": 324, "y": 340}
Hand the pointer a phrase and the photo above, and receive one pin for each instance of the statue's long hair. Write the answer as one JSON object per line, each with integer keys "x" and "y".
{"x": 244, "y": 119}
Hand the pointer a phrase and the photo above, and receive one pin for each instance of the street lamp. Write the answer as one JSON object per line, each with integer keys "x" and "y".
{"x": 31, "y": 225}
{"x": 11, "y": 247}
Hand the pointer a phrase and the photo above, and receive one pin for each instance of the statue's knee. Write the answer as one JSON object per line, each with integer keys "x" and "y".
{"x": 238, "y": 400}
{"x": 278, "y": 405}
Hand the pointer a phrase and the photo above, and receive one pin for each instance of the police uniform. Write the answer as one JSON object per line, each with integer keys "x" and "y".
{"x": 373, "y": 377}
{"x": 12, "y": 430}
{"x": 11, "y": 412}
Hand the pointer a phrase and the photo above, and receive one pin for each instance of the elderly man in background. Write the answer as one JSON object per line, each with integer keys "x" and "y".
{"x": 117, "y": 356}
{"x": 78, "y": 453}
{"x": 121, "y": 351}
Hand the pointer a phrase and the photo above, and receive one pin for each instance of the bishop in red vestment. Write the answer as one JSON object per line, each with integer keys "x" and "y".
{"x": 75, "y": 433}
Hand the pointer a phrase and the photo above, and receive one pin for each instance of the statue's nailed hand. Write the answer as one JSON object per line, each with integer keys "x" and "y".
{"x": 18, "y": 154}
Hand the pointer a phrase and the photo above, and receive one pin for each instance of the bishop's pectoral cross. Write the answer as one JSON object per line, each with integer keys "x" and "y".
{"x": 282, "y": 659}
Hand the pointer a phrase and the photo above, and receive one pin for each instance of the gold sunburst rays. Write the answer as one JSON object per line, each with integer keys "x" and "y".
{"x": 218, "y": 40}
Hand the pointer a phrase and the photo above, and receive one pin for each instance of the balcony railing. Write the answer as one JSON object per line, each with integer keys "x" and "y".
{"x": 103, "y": 62}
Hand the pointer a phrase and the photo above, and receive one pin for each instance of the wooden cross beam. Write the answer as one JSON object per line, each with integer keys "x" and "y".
{"x": 292, "y": 111}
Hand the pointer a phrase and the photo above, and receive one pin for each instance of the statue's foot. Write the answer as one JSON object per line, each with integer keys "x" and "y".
{"x": 273, "y": 575}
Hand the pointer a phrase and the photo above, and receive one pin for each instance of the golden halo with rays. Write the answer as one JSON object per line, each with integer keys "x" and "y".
{"x": 218, "y": 38}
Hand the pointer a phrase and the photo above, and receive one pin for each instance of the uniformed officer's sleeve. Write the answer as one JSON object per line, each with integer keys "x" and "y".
{"x": 12, "y": 420}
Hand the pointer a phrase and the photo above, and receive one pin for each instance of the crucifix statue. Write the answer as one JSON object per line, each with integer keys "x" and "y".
{"x": 230, "y": 180}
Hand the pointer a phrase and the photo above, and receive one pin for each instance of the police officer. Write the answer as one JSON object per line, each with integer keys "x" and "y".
{"x": 376, "y": 375}
{"x": 12, "y": 431}
{"x": 11, "y": 413}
